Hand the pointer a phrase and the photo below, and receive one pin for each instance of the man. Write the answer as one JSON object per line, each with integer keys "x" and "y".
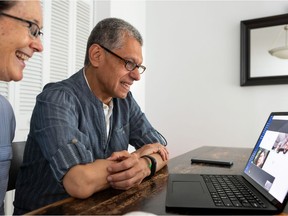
{"x": 20, "y": 27}
{"x": 81, "y": 127}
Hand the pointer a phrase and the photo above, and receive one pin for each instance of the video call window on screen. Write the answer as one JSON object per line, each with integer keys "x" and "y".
{"x": 260, "y": 157}
{"x": 281, "y": 143}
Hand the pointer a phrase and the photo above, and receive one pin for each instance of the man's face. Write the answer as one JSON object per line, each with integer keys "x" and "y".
{"x": 115, "y": 79}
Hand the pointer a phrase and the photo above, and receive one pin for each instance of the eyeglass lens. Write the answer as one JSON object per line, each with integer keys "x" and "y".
{"x": 130, "y": 66}
{"x": 34, "y": 30}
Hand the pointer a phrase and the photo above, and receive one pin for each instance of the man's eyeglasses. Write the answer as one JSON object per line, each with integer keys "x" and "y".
{"x": 129, "y": 65}
{"x": 34, "y": 29}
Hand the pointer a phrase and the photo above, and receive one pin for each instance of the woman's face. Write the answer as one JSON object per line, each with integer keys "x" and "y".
{"x": 261, "y": 159}
{"x": 16, "y": 43}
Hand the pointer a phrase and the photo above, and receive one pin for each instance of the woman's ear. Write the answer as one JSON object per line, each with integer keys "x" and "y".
{"x": 95, "y": 55}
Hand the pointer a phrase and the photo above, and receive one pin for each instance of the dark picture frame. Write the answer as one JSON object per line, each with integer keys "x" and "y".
{"x": 245, "y": 51}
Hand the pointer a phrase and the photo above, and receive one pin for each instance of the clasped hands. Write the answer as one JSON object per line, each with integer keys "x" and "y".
{"x": 130, "y": 169}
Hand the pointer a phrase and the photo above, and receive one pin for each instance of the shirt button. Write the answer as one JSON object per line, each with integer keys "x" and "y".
{"x": 74, "y": 141}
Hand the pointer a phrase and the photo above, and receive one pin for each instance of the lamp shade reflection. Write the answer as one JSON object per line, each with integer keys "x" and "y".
{"x": 281, "y": 52}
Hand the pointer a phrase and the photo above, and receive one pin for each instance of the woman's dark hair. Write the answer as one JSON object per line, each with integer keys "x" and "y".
{"x": 6, "y": 5}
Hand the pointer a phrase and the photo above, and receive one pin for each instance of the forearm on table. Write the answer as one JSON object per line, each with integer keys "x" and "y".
{"x": 81, "y": 181}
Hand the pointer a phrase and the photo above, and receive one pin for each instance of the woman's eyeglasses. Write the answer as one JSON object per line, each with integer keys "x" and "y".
{"x": 129, "y": 65}
{"x": 34, "y": 29}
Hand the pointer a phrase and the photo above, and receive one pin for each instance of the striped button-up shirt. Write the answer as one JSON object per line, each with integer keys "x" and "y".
{"x": 68, "y": 128}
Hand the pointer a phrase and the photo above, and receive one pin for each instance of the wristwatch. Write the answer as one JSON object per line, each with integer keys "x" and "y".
{"x": 152, "y": 166}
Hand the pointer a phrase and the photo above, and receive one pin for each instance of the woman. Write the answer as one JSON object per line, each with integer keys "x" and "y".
{"x": 20, "y": 24}
{"x": 260, "y": 158}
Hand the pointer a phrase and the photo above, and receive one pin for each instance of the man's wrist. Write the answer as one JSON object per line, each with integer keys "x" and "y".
{"x": 147, "y": 165}
{"x": 152, "y": 165}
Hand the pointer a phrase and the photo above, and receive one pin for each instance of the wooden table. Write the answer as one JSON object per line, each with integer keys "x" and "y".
{"x": 150, "y": 195}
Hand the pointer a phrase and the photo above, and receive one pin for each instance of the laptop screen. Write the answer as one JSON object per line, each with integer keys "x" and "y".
{"x": 268, "y": 162}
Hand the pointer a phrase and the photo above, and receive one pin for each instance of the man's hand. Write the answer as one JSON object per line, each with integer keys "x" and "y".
{"x": 153, "y": 148}
{"x": 129, "y": 171}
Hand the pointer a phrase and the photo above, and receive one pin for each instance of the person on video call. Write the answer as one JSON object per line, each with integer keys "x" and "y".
{"x": 20, "y": 23}
{"x": 81, "y": 127}
{"x": 259, "y": 161}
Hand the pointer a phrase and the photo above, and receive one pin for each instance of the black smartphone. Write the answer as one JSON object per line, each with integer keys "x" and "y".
{"x": 212, "y": 161}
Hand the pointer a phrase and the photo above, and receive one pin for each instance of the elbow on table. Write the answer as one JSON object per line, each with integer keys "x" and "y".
{"x": 81, "y": 181}
{"x": 80, "y": 192}
{"x": 77, "y": 186}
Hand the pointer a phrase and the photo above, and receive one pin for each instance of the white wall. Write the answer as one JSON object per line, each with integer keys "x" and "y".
{"x": 193, "y": 95}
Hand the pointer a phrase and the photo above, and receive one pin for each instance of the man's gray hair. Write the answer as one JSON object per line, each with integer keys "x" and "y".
{"x": 110, "y": 33}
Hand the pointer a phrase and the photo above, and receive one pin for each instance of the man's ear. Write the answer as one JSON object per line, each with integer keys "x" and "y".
{"x": 95, "y": 53}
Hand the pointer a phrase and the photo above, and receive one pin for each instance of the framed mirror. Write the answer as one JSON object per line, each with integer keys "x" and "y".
{"x": 259, "y": 39}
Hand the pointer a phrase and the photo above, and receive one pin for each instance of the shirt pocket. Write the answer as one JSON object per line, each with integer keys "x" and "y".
{"x": 120, "y": 137}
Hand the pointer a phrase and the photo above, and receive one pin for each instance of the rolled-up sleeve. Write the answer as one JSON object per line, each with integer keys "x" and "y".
{"x": 68, "y": 156}
{"x": 57, "y": 130}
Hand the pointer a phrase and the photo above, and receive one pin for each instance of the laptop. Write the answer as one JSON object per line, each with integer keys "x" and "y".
{"x": 265, "y": 176}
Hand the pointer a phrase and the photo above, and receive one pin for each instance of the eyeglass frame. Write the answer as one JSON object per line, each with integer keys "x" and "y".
{"x": 30, "y": 23}
{"x": 126, "y": 61}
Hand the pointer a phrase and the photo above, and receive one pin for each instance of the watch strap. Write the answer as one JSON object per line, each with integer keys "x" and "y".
{"x": 152, "y": 166}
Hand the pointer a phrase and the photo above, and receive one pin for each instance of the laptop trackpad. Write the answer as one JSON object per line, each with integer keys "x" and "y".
{"x": 189, "y": 193}
{"x": 188, "y": 187}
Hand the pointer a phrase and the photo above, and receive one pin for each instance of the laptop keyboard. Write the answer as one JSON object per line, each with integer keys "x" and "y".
{"x": 229, "y": 191}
